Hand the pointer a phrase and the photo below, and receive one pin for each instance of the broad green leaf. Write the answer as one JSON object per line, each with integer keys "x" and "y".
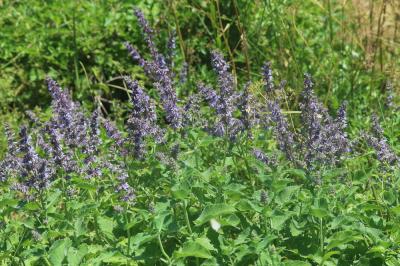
{"x": 118, "y": 259}
{"x": 213, "y": 211}
{"x": 205, "y": 242}
{"x": 286, "y": 194}
{"x": 8, "y": 202}
{"x": 378, "y": 249}
{"x": 296, "y": 173}
{"x": 395, "y": 210}
{"x": 193, "y": 249}
{"x": 142, "y": 238}
{"x": 277, "y": 221}
{"x": 230, "y": 220}
{"x": 341, "y": 238}
{"x": 58, "y": 251}
{"x": 246, "y": 205}
{"x": 32, "y": 206}
{"x": 294, "y": 229}
{"x": 319, "y": 212}
{"x": 75, "y": 256}
{"x": 52, "y": 199}
{"x": 80, "y": 226}
{"x": 180, "y": 191}
{"x": 81, "y": 183}
{"x": 106, "y": 226}
{"x": 160, "y": 219}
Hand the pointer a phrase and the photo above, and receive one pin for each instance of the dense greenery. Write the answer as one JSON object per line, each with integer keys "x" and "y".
{"x": 236, "y": 168}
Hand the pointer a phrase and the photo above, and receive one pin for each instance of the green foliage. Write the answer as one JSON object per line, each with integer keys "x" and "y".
{"x": 205, "y": 208}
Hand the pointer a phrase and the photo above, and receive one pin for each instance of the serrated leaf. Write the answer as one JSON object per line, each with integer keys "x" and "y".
{"x": 213, "y": 211}
{"x": 205, "y": 242}
{"x": 286, "y": 194}
{"x": 8, "y": 202}
{"x": 180, "y": 191}
{"x": 32, "y": 206}
{"x": 277, "y": 221}
{"x": 80, "y": 183}
{"x": 319, "y": 212}
{"x": 75, "y": 256}
{"x": 193, "y": 249}
{"x": 341, "y": 238}
{"x": 58, "y": 251}
{"x": 52, "y": 199}
{"x": 79, "y": 226}
{"x": 231, "y": 220}
{"x": 106, "y": 226}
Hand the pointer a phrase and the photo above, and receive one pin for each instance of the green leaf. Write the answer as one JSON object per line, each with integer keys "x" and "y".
{"x": 81, "y": 183}
{"x": 377, "y": 249}
{"x": 159, "y": 220}
{"x": 117, "y": 258}
{"x": 286, "y": 194}
{"x": 52, "y": 199}
{"x": 8, "y": 202}
{"x": 193, "y": 249}
{"x": 246, "y": 205}
{"x": 180, "y": 191}
{"x": 341, "y": 238}
{"x": 205, "y": 242}
{"x": 231, "y": 220}
{"x": 58, "y": 251}
{"x": 297, "y": 173}
{"x": 278, "y": 221}
{"x": 395, "y": 210}
{"x": 75, "y": 256}
{"x": 296, "y": 263}
{"x": 32, "y": 206}
{"x": 142, "y": 238}
{"x": 319, "y": 212}
{"x": 80, "y": 226}
{"x": 213, "y": 211}
{"x": 106, "y": 225}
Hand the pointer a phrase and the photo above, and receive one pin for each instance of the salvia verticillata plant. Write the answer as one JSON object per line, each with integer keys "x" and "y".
{"x": 185, "y": 182}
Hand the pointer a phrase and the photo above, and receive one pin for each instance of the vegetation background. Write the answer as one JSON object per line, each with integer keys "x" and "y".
{"x": 351, "y": 47}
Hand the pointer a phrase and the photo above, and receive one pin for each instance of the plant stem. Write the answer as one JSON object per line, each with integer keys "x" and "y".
{"x": 321, "y": 236}
{"x": 128, "y": 232}
{"x": 187, "y": 217}
{"x": 163, "y": 251}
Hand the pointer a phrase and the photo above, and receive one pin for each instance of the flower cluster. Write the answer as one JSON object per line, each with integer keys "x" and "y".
{"x": 225, "y": 102}
{"x": 142, "y": 121}
{"x": 283, "y": 134}
{"x": 268, "y": 78}
{"x": 159, "y": 71}
{"x": 326, "y": 141}
{"x": 380, "y": 144}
